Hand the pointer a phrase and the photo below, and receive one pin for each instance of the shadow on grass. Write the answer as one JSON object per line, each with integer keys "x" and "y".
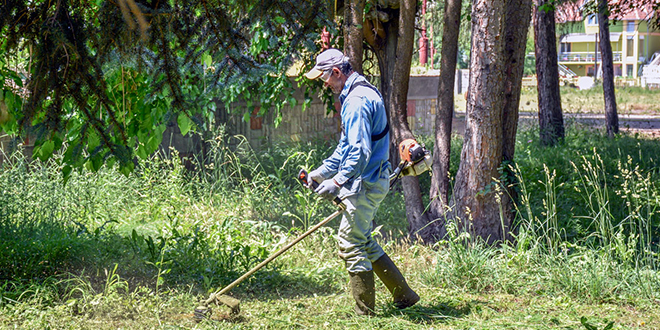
{"x": 35, "y": 251}
{"x": 438, "y": 312}
{"x": 276, "y": 284}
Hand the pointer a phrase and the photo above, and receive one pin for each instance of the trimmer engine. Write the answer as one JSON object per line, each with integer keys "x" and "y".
{"x": 415, "y": 160}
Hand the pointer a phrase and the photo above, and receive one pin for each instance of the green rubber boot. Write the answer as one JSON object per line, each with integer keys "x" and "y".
{"x": 403, "y": 295}
{"x": 364, "y": 293}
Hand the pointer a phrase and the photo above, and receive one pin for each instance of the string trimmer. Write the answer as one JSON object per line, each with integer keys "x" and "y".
{"x": 220, "y": 298}
{"x": 415, "y": 160}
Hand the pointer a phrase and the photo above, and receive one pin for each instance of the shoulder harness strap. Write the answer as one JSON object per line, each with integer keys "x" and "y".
{"x": 382, "y": 134}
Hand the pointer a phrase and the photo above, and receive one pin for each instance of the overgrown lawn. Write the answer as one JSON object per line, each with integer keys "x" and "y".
{"x": 107, "y": 251}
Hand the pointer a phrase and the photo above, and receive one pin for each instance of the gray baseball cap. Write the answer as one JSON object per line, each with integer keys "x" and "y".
{"x": 326, "y": 60}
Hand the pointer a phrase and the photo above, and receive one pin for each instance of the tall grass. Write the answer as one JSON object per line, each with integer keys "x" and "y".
{"x": 160, "y": 227}
{"x": 587, "y": 228}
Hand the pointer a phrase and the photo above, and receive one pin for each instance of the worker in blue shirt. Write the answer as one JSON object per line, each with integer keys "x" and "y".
{"x": 358, "y": 172}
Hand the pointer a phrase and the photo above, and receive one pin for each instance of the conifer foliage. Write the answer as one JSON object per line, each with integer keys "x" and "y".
{"x": 103, "y": 78}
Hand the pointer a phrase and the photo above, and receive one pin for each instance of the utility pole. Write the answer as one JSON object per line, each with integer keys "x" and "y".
{"x": 431, "y": 44}
{"x": 596, "y": 59}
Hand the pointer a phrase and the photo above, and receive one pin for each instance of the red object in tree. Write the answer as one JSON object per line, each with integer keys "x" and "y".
{"x": 423, "y": 40}
{"x": 432, "y": 50}
{"x": 325, "y": 39}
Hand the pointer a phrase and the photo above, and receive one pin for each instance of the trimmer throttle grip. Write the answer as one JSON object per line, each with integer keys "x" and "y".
{"x": 303, "y": 177}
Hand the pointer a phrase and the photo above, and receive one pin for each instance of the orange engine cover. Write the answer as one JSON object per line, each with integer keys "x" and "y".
{"x": 404, "y": 149}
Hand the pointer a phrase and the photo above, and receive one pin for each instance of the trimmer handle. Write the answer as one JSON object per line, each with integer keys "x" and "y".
{"x": 303, "y": 177}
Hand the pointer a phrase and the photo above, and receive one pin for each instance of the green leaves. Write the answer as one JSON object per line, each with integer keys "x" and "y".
{"x": 260, "y": 40}
{"x": 45, "y": 151}
{"x": 184, "y": 123}
{"x": 107, "y": 89}
{"x": 547, "y": 6}
{"x": 66, "y": 172}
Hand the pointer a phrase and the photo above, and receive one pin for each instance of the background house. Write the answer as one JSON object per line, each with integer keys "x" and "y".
{"x": 633, "y": 40}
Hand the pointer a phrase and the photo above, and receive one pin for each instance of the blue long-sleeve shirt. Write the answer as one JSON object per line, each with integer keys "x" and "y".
{"x": 357, "y": 158}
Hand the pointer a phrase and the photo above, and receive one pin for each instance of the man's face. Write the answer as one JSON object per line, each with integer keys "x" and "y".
{"x": 331, "y": 79}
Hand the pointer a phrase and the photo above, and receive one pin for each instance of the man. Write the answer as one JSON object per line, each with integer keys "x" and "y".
{"x": 358, "y": 172}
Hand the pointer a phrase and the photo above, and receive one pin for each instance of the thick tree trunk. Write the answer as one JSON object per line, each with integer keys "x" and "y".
{"x": 551, "y": 122}
{"x": 475, "y": 207}
{"x": 417, "y": 220}
{"x": 353, "y": 37}
{"x": 611, "y": 116}
{"x": 479, "y": 205}
{"x": 443, "y": 118}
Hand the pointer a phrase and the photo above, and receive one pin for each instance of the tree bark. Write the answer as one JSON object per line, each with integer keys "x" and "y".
{"x": 401, "y": 62}
{"x": 515, "y": 41}
{"x": 496, "y": 71}
{"x": 611, "y": 116}
{"x": 479, "y": 205}
{"x": 353, "y": 36}
{"x": 394, "y": 54}
{"x": 551, "y": 122}
{"x": 444, "y": 116}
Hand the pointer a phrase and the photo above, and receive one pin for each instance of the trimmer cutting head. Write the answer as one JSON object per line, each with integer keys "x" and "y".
{"x": 204, "y": 310}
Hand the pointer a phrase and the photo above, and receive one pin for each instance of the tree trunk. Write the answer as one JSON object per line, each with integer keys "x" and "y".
{"x": 551, "y": 122}
{"x": 417, "y": 220}
{"x": 607, "y": 64}
{"x": 443, "y": 118}
{"x": 394, "y": 55}
{"x": 479, "y": 205}
{"x": 515, "y": 41}
{"x": 353, "y": 36}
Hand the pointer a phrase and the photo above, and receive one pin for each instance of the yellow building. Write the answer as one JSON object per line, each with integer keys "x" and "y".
{"x": 633, "y": 40}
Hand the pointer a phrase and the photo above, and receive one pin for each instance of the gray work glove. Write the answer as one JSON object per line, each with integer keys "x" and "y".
{"x": 314, "y": 175}
{"x": 328, "y": 189}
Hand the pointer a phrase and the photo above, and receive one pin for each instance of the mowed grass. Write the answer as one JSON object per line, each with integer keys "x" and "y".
{"x": 630, "y": 101}
{"x": 276, "y": 307}
{"x": 107, "y": 251}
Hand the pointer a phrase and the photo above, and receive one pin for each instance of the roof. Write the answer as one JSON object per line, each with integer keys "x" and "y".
{"x": 571, "y": 11}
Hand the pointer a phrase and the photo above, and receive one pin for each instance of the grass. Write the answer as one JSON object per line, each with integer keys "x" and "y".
{"x": 107, "y": 251}
{"x": 630, "y": 101}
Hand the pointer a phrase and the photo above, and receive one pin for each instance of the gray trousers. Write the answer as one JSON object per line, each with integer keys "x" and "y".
{"x": 356, "y": 245}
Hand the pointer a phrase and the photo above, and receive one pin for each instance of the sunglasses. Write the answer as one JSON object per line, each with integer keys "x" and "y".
{"x": 326, "y": 75}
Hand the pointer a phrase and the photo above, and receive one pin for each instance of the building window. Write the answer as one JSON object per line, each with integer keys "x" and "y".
{"x": 565, "y": 47}
{"x": 592, "y": 19}
{"x": 630, "y": 44}
{"x": 630, "y": 26}
{"x": 629, "y": 70}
